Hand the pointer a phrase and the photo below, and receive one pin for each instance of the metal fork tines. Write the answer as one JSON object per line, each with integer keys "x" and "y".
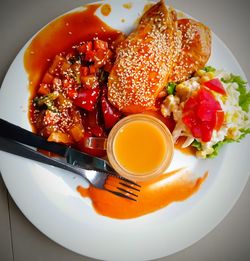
{"x": 115, "y": 184}
{"x": 123, "y": 187}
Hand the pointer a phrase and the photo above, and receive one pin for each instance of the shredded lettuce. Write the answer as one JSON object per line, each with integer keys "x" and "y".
{"x": 244, "y": 133}
{"x": 220, "y": 144}
{"x": 196, "y": 144}
{"x": 244, "y": 98}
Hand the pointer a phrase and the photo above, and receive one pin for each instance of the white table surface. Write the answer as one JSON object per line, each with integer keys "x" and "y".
{"x": 19, "y": 239}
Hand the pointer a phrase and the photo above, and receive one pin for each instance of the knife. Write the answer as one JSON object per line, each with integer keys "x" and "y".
{"x": 72, "y": 156}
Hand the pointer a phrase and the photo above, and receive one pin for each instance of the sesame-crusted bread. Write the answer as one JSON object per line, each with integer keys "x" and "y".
{"x": 145, "y": 61}
{"x": 195, "y": 49}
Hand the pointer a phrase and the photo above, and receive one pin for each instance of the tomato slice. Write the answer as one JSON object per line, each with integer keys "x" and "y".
{"x": 190, "y": 104}
{"x": 206, "y": 97}
{"x": 205, "y": 113}
{"x": 207, "y": 131}
{"x": 196, "y": 131}
{"x": 220, "y": 115}
{"x": 202, "y": 114}
{"x": 215, "y": 85}
{"x": 190, "y": 119}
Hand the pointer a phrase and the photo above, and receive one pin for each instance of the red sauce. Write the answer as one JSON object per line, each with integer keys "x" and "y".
{"x": 154, "y": 195}
{"x": 59, "y": 36}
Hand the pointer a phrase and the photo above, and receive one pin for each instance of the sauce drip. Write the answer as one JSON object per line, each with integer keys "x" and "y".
{"x": 127, "y": 5}
{"x": 106, "y": 9}
{"x": 59, "y": 36}
{"x": 154, "y": 195}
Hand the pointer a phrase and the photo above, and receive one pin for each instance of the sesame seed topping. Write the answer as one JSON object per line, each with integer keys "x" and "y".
{"x": 143, "y": 63}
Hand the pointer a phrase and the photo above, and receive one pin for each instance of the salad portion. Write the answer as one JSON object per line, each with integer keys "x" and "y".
{"x": 210, "y": 109}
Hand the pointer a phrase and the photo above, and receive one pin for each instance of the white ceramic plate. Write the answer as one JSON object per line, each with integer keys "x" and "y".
{"x": 48, "y": 198}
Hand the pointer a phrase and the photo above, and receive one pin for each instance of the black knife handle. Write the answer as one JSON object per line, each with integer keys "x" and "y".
{"x": 74, "y": 157}
{"x": 9, "y": 130}
{"x": 19, "y": 149}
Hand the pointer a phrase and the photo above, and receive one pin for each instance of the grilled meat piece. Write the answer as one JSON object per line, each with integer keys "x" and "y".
{"x": 145, "y": 61}
{"x": 195, "y": 49}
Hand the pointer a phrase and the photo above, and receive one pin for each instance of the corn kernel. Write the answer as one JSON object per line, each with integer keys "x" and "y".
{"x": 235, "y": 117}
{"x": 232, "y": 133}
{"x": 200, "y": 73}
{"x": 204, "y": 78}
{"x": 224, "y": 98}
{"x": 210, "y": 75}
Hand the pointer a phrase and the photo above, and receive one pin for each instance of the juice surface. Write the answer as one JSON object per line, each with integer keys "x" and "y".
{"x": 140, "y": 147}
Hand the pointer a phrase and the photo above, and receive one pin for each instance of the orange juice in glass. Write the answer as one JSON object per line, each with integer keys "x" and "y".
{"x": 140, "y": 147}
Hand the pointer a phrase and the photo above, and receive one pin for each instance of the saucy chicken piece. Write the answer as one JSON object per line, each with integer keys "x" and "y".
{"x": 144, "y": 61}
{"x": 195, "y": 49}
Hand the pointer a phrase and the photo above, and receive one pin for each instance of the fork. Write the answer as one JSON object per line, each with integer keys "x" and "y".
{"x": 125, "y": 188}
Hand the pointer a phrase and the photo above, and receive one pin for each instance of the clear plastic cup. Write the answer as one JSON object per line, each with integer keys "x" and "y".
{"x": 132, "y": 153}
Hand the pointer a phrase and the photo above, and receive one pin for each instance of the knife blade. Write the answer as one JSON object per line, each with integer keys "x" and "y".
{"x": 72, "y": 156}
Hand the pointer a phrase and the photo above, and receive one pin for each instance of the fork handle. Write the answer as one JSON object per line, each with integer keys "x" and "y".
{"x": 18, "y": 149}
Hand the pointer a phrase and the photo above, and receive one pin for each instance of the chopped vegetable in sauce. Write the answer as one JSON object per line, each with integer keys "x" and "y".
{"x": 71, "y": 101}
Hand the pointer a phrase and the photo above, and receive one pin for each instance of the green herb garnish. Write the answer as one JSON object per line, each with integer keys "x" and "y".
{"x": 47, "y": 100}
{"x": 171, "y": 88}
{"x": 209, "y": 69}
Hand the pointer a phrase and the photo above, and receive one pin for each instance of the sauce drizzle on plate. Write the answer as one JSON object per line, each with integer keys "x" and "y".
{"x": 106, "y": 9}
{"x": 155, "y": 194}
